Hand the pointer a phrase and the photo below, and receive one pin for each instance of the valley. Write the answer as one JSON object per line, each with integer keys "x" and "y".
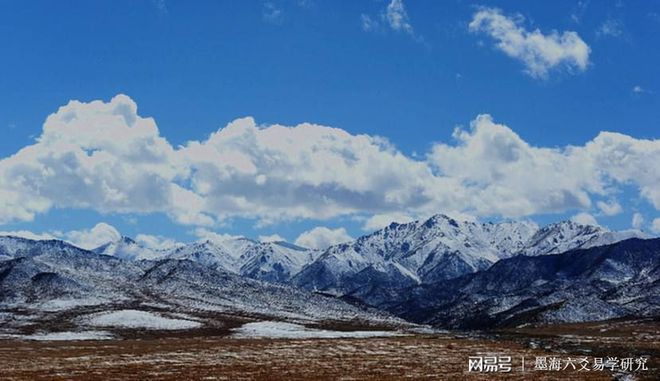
{"x": 217, "y": 355}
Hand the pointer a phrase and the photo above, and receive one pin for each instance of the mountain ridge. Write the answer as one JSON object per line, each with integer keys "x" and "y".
{"x": 439, "y": 248}
{"x": 578, "y": 285}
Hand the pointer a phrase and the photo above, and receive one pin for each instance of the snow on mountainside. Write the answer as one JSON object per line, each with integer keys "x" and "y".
{"x": 210, "y": 253}
{"x": 269, "y": 261}
{"x": 411, "y": 269}
{"x": 275, "y": 261}
{"x": 399, "y": 255}
{"x": 598, "y": 283}
{"x": 439, "y": 248}
{"x": 42, "y": 278}
{"x": 127, "y": 248}
{"x": 567, "y": 235}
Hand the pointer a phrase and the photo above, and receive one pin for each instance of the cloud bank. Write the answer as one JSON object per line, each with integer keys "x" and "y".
{"x": 104, "y": 156}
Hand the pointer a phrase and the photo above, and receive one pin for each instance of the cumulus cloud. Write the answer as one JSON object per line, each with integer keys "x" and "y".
{"x": 321, "y": 237}
{"x": 92, "y": 155}
{"x": 539, "y": 52}
{"x": 585, "y": 219}
{"x": 655, "y": 226}
{"x": 156, "y": 242}
{"x": 307, "y": 171}
{"x": 208, "y": 235}
{"x": 610, "y": 208}
{"x": 28, "y": 234}
{"x": 637, "y": 221}
{"x": 105, "y": 157}
{"x": 89, "y": 239}
{"x": 271, "y": 238}
{"x": 379, "y": 221}
{"x": 507, "y": 176}
{"x": 504, "y": 175}
{"x": 98, "y": 235}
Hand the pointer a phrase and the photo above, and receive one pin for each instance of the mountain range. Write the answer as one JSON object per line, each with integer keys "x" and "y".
{"x": 438, "y": 271}
{"x": 41, "y": 279}
{"x": 439, "y": 248}
{"x": 598, "y": 283}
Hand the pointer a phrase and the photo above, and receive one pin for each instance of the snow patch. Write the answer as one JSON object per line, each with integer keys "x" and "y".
{"x": 64, "y": 336}
{"x": 281, "y": 330}
{"x": 139, "y": 319}
{"x": 65, "y": 304}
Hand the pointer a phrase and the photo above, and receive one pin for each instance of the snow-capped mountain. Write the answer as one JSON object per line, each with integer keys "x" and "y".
{"x": 44, "y": 276}
{"x": 598, "y": 283}
{"x": 269, "y": 261}
{"x": 275, "y": 261}
{"x": 127, "y": 248}
{"x": 440, "y": 271}
{"x": 567, "y": 235}
{"x": 436, "y": 249}
{"x": 224, "y": 256}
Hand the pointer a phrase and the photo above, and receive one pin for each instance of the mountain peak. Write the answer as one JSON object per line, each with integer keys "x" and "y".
{"x": 127, "y": 248}
{"x": 440, "y": 219}
{"x": 127, "y": 240}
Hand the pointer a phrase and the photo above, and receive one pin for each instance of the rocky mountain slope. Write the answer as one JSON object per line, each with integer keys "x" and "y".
{"x": 440, "y": 248}
{"x": 438, "y": 271}
{"x": 41, "y": 276}
{"x": 599, "y": 283}
{"x": 268, "y": 261}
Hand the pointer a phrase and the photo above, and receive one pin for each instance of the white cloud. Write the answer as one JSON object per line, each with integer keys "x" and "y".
{"x": 379, "y": 221}
{"x": 271, "y": 238}
{"x": 585, "y": 219}
{"x": 156, "y": 242}
{"x": 105, "y": 157}
{"x": 637, "y": 221}
{"x": 539, "y": 52}
{"x": 621, "y": 159}
{"x": 92, "y": 238}
{"x": 28, "y": 234}
{"x": 504, "y": 175}
{"x": 611, "y": 208}
{"x": 322, "y": 237}
{"x": 394, "y": 17}
{"x": 655, "y": 226}
{"x": 91, "y": 155}
{"x": 308, "y": 171}
{"x": 208, "y": 235}
{"x": 397, "y": 17}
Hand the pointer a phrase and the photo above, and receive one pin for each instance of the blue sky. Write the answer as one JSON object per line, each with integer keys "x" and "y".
{"x": 196, "y": 66}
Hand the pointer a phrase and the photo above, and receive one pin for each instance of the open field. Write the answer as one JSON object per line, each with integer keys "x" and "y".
{"x": 437, "y": 356}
